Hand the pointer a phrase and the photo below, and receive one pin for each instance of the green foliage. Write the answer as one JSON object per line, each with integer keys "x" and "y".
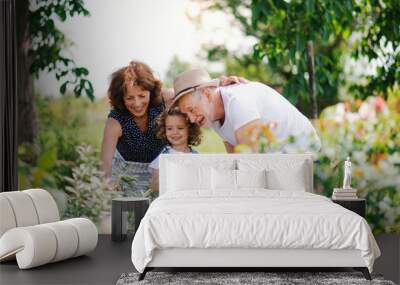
{"x": 283, "y": 28}
{"x": 51, "y": 156}
{"x": 48, "y": 43}
{"x": 124, "y": 181}
{"x": 35, "y": 170}
{"x": 89, "y": 190}
{"x": 176, "y": 66}
{"x": 243, "y": 65}
{"x": 54, "y": 163}
{"x": 44, "y": 163}
{"x": 380, "y": 28}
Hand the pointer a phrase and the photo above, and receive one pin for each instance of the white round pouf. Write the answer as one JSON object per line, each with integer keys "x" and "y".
{"x": 67, "y": 240}
{"x": 87, "y": 234}
{"x": 31, "y": 233}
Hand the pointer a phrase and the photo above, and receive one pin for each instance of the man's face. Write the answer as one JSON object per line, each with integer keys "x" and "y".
{"x": 197, "y": 107}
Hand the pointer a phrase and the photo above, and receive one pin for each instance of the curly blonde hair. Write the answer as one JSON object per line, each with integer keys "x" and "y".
{"x": 194, "y": 130}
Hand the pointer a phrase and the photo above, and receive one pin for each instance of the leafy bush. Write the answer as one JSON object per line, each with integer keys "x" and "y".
{"x": 51, "y": 158}
{"x": 45, "y": 162}
{"x": 89, "y": 190}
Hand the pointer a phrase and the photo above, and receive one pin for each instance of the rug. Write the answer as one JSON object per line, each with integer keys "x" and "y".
{"x": 243, "y": 278}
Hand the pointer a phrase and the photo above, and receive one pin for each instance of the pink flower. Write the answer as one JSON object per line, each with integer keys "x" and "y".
{"x": 379, "y": 104}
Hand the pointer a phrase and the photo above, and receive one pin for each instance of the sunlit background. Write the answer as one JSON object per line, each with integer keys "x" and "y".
{"x": 151, "y": 31}
{"x": 357, "y": 55}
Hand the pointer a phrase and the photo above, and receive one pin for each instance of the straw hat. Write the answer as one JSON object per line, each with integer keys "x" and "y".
{"x": 191, "y": 80}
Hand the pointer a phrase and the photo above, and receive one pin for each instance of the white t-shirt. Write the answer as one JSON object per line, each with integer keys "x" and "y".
{"x": 244, "y": 103}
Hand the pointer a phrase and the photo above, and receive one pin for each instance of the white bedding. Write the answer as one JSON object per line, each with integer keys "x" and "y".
{"x": 251, "y": 218}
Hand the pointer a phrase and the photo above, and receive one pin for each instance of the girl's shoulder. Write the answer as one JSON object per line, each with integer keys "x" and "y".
{"x": 169, "y": 149}
{"x": 166, "y": 149}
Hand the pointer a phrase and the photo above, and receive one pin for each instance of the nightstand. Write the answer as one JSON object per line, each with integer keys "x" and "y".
{"x": 355, "y": 205}
{"x": 119, "y": 208}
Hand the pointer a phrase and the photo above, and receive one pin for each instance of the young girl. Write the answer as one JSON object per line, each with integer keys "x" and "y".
{"x": 178, "y": 133}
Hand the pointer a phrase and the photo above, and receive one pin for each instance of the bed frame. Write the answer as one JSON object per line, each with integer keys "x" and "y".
{"x": 242, "y": 259}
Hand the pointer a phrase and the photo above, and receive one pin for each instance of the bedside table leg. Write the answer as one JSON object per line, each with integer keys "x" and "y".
{"x": 124, "y": 224}
{"x": 116, "y": 223}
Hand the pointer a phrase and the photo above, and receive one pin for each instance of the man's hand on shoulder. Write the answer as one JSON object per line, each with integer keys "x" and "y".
{"x": 224, "y": 80}
{"x": 168, "y": 96}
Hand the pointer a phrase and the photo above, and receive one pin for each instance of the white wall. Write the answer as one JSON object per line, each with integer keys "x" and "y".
{"x": 152, "y": 31}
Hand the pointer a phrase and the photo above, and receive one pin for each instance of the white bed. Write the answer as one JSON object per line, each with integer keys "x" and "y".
{"x": 214, "y": 211}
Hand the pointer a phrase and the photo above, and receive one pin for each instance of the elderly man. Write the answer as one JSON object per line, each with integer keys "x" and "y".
{"x": 235, "y": 109}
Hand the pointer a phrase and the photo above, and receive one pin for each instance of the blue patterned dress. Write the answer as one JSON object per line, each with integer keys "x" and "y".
{"x": 135, "y": 150}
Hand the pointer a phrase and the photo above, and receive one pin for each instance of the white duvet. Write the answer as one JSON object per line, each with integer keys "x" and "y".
{"x": 253, "y": 218}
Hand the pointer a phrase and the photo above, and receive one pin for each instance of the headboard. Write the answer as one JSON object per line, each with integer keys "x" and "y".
{"x": 285, "y": 163}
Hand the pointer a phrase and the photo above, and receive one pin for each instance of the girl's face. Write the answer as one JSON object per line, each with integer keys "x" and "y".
{"x": 177, "y": 130}
{"x": 136, "y": 100}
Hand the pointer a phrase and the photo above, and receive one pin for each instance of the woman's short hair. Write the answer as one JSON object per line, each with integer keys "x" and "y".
{"x": 136, "y": 73}
{"x": 194, "y": 130}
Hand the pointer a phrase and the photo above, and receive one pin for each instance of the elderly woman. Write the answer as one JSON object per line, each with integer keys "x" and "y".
{"x": 130, "y": 142}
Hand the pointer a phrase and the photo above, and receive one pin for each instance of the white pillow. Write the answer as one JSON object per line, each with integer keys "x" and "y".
{"x": 295, "y": 180}
{"x": 226, "y": 179}
{"x": 223, "y": 179}
{"x": 251, "y": 178}
{"x": 182, "y": 177}
{"x": 282, "y": 174}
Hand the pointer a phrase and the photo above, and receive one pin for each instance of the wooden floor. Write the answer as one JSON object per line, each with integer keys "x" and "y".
{"x": 102, "y": 266}
{"x": 105, "y": 265}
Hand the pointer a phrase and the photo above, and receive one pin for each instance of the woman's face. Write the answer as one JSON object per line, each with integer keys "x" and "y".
{"x": 177, "y": 130}
{"x": 136, "y": 100}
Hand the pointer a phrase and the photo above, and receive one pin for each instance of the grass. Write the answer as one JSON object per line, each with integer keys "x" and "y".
{"x": 96, "y": 116}
{"x": 210, "y": 143}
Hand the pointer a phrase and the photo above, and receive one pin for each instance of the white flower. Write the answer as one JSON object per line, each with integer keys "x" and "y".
{"x": 366, "y": 111}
